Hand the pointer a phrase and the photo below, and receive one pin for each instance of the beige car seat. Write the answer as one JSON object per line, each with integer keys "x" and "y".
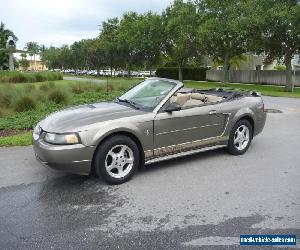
{"x": 193, "y": 99}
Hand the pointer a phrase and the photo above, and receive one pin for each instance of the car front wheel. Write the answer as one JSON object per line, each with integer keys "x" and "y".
{"x": 117, "y": 159}
{"x": 240, "y": 137}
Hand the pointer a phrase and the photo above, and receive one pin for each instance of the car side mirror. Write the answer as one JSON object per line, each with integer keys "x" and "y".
{"x": 173, "y": 106}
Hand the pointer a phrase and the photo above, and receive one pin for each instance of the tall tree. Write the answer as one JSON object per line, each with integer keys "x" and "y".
{"x": 180, "y": 21}
{"x": 128, "y": 41}
{"x": 24, "y": 62}
{"x": 222, "y": 34}
{"x": 4, "y": 34}
{"x": 33, "y": 49}
{"x": 109, "y": 39}
{"x": 276, "y": 28}
{"x": 96, "y": 54}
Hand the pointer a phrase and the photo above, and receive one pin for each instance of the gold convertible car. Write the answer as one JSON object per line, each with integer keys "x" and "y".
{"x": 155, "y": 120}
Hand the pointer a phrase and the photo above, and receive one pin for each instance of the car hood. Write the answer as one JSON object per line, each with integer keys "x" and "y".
{"x": 76, "y": 118}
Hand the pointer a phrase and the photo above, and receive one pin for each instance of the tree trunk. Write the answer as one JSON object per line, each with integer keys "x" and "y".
{"x": 226, "y": 68}
{"x": 180, "y": 78}
{"x": 34, "y": 62}
{"x": 289, "y": 86}
{"x": 111, "y": 70}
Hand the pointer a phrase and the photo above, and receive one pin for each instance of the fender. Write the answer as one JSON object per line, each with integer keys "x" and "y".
{"x": 243, "y": 112}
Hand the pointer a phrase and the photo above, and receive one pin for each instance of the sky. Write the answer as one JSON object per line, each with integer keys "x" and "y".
{"x": 58, "y": 22}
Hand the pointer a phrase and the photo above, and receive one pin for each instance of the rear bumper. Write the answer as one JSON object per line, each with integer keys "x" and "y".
{"x": 75, "y": 159}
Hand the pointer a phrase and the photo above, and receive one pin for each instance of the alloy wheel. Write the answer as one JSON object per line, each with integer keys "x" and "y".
{"x": 119, "y": 161}
{"x": 241, "y": 137}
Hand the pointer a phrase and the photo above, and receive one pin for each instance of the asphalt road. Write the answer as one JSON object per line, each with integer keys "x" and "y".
{"x": 203, "y": 201}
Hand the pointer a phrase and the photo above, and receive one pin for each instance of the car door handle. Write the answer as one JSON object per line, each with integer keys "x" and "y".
{"x": 212, "y": 112}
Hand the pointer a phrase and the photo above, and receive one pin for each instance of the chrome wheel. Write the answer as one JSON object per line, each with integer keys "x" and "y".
{"x": 241, "y": 137}
{"x": 119, "y": 161}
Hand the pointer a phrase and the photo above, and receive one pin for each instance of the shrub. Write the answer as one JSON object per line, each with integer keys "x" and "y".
{"x": 58, "y": 97}
{"x": 25, "y": 103}
{"x": 5, "y": 99}
{"x": 1, "y": 113}
{"x": 29, "y": 87}
{"x": 47, "y": 86}
{"x": 188, "y": 73}
{"x": 44, "y": 87}
{"x": 17, "y": 77}
{"x": 78, "y": 88}
{"x": 51, "y": 85}
{"x": 110, "y": 87}
{"x": 280, "y": 67}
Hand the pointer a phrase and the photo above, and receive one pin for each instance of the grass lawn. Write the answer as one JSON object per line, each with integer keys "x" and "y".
{"x": 76, "y": 93}
{"x": 22, "y": 139}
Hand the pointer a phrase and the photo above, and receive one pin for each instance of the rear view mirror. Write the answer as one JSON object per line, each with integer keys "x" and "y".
{"x": 173, "y": 106}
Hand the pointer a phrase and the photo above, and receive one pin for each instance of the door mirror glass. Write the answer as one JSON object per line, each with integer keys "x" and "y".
{"x": 173, "y": 106}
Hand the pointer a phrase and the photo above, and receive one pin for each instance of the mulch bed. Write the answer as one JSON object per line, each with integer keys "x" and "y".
{"x": 10, "y": 132}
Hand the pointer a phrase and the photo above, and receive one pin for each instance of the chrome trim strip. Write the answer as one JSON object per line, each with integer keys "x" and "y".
{"x": 182, "y": 154}
{"x": 82, "y": 161}
{"x": 185, "y": 129}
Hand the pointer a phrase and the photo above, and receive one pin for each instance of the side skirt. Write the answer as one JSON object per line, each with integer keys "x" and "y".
{"x": 181, "y": 154}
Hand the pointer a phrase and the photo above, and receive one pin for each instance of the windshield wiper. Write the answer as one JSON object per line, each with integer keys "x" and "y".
{"x": 133, "y": 104}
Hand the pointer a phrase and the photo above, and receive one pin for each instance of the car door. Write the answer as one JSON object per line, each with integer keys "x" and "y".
{"x": 178, "y": 129}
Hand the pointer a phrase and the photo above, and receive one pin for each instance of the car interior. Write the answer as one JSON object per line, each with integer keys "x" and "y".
{"x": 193, "y": 98}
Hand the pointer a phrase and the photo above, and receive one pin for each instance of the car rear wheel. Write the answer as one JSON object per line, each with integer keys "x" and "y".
{"x": 117, "y": 159}
{"x": 240, "y": 137}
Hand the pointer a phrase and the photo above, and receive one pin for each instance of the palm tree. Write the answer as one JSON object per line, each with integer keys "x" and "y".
{"x": 4, "y": 34}
{"x": 33, "y": 49}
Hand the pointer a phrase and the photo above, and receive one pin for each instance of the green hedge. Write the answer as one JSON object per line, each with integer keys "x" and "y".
{"x": 23, "y": 77}
{"x": 188, "y": 73}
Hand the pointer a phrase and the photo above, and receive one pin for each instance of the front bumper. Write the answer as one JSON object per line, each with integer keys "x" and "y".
{"x": 75, "y": 158}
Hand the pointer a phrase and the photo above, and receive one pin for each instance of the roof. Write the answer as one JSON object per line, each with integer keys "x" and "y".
{"x": 18, "y": 57}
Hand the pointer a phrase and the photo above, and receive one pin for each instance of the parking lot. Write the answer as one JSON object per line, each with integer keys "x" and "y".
{"x": 202, "y": 201}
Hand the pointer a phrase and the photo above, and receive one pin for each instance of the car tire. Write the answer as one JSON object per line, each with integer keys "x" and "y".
{"x": 240, "y": 137}
{"x": 117, "y": 159}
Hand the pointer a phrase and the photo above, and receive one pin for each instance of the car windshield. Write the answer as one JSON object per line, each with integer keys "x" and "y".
{"x": 148, "y": 94}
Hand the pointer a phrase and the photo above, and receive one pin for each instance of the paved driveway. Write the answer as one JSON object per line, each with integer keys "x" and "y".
{"x": 203, "y": 201}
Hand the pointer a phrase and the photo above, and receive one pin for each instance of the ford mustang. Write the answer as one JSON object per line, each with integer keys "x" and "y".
{"x": 155, "y": 120}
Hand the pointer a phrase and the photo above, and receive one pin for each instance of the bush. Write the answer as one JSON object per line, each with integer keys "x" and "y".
{"x": 47, "y": 86}
{"x": 1, "y": 113}
{"x": 23, "y": 77}
{"x": 78, "y": 88}
{"x": 5, "y": 99}
{"x": 110, "y": 87}
{"x": 51, "y": 85}
{"x": 25, "y": 103}
{"x": 280, "y": 67}
{"x": 58, "y": 97}
{"x": 29, "y": 87}
{"x": 44, "y": 87}
{"x": 188, "y": 73}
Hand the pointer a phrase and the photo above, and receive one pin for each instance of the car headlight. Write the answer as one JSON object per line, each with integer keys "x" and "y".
{"x": 36, "y": 132}
{"x": 61, "y": 139}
